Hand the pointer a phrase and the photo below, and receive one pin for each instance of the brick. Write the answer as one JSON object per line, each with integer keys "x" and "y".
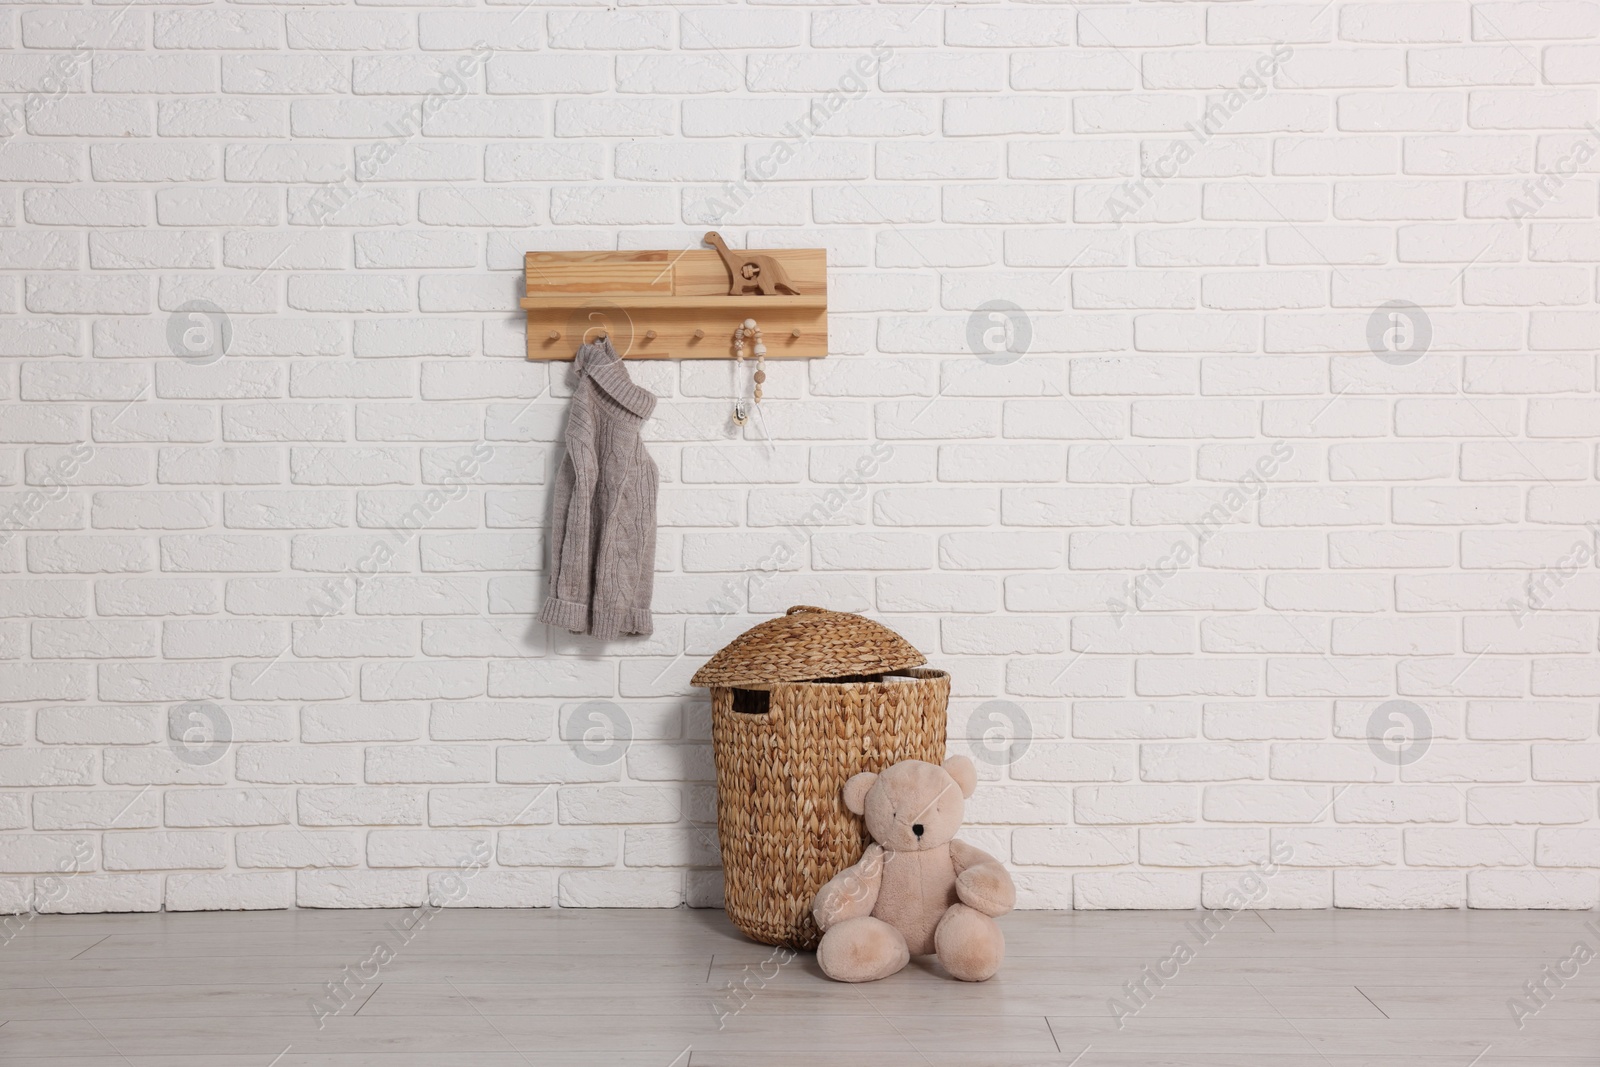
{"x": 208, "y": 30}
{"x": 428, "y": 763}
{"x": 1529, "y": 804}
{"x": 359, "y": 806}
{"x": 461, "y": 31}
{"x": 107, "y": 809}
{"x": 320, "y": 723}
{"x": 228, "y": 807}
{"x": 274, "y": 74}
{"x": 82, "y": 639}
{"x": 1398, "y": 804}
{"x": 359, "y": 889}
{"x": 592, "y": 804}
{"x": 165, "y": 850}
{"x": 46, "y": 767}
{"x": 1097, "y": 890}
{"x": 297, "y": 848}
{"x": 356, "y": 30}
{"x": 563, "y": 847}
{"x": 424, "y": 848}
{"x": 1574, "y": 890}
{"x": 621, "y": 889}
{"x": 232, "y": 892}
{"x": 490, "y": 806}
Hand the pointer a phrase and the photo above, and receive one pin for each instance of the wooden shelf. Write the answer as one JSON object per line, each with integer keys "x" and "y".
{"x": 755, "y": 305}
{"x": 661, "y": 304}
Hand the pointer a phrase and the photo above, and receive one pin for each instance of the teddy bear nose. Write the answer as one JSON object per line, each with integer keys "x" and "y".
{"x": 916, "y": 828}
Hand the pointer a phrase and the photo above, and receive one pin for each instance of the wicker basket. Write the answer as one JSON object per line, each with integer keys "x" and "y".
{"x": 798, "y": 705}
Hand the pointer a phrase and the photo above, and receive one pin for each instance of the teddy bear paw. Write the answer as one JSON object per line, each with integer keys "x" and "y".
{"x": 862, "y": 949}
{"x": 987, "y": 888}
{"x": 969, "y": 944}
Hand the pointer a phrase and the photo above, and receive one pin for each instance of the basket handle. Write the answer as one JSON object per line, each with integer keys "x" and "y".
{"x": 802, "y": 608}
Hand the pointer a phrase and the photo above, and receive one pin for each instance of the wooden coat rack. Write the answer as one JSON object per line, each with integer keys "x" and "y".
{"x": 677, "y": 305}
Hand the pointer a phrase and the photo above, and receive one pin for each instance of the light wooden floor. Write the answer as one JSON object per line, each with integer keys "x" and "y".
{"x": 646, "y": 988}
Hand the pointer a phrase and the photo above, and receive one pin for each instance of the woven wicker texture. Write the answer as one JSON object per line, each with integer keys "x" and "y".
{"x": 807, "y": 643}
{"x": 781, "y": 819}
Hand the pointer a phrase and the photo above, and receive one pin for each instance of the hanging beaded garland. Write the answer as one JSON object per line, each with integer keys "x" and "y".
{"x": 748, "y": 329}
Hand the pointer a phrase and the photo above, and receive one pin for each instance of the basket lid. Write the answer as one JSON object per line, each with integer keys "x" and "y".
{"x": 804, "y": 643}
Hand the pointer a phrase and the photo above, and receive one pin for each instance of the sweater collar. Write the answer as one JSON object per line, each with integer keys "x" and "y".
{"x": 600, "y": 362}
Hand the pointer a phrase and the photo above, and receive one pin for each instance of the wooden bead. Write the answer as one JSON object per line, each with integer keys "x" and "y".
{"x": 760, "y": 376}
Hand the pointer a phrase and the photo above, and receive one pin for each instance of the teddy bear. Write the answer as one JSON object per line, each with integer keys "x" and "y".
{"x": 916, "y": 890}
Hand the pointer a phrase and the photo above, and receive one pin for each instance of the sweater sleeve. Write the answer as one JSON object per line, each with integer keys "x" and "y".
{"x": 567, "y": 602}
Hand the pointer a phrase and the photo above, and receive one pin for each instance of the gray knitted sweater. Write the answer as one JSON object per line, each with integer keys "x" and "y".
{"x": 603, "y": 528}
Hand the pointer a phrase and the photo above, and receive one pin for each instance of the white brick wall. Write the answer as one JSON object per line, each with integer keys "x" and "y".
{"x": 1283, "y": 438}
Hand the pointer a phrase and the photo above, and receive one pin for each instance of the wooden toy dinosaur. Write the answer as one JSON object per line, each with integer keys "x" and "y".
{"x": 751, "y": 270}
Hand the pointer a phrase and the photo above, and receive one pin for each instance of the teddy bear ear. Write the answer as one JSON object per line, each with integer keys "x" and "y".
{"x": 856, "y": 790}
{"x": 964, "y": 771}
